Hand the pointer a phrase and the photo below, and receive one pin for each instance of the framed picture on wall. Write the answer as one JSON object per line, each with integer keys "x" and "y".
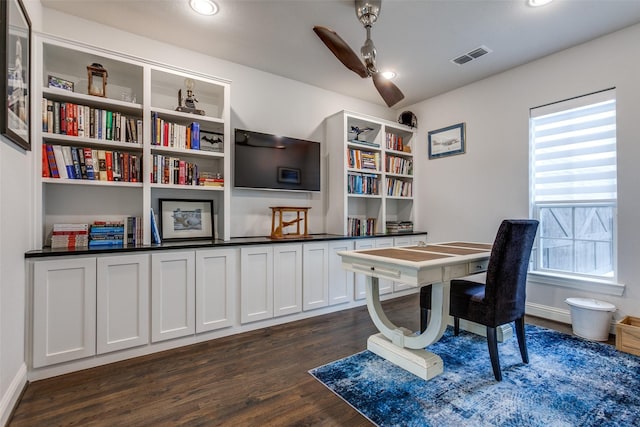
{"x": 447, "y": 141}
{"x": 16, "y": 69}
{"x": 186, "y": 219}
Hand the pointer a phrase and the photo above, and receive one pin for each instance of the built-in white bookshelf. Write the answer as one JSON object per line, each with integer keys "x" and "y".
{"x": 371, "y": 170}
{"x": 138, "y": 93}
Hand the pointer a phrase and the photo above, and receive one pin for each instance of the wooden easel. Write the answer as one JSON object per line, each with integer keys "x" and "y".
{"x": 276, "y": 231}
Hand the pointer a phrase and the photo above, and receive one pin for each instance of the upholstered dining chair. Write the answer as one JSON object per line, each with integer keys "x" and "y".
{"x": 496, "y": 297}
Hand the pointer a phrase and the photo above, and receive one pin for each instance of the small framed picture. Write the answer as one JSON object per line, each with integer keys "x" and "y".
{"x": 60, "y": 83}
{"x": 186, "y": 219}
{"x": 447, "y": 141}
{"x": 211, "y": 141}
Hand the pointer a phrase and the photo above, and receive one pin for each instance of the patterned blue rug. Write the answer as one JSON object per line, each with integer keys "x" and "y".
{"x": 568, "y": 382}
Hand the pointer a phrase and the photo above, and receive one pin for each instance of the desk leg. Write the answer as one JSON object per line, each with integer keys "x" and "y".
{"x": 399, "y": 345}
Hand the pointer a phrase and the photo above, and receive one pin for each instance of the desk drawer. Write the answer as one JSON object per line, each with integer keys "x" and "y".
{"x": 477, "y": 266}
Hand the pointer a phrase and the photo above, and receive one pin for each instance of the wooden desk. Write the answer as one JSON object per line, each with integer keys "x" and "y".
{"x": 434, "y": 264}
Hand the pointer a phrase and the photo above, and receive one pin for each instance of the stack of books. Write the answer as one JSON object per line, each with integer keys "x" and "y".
{"x": 210, "y": 179}
{"x": 394, "y": 227}
{"x": 70, "y": 236}
{"x": 107, "y": 233}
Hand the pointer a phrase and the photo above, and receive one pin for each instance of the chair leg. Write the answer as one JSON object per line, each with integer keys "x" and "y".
{"x": 456, "y": 326}
{"x": 492, "y": 342}
{"x": 522, "y": 343}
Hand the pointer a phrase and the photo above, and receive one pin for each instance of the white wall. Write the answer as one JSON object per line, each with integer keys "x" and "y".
{"x": 259, "y": 101}
{"x": 466, "y": 196}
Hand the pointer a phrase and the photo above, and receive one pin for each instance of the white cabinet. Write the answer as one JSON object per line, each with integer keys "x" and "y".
{"x": 215, "y": 284}
{"x": 340, "y": 279}
{"x": 315, "y": 275}
{"x": 122, "y": 302}
{"x": 172, "y": 295}
{"x": 371, "y": 173}
{"x": 385, "y": 285}
{"x": 270, "y": 281}
{"x": 64, "y": 310}
{"x": 287, "y": 275}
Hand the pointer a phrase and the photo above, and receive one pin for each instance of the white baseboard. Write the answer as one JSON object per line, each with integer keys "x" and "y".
{"x": 547, "y": 312}
{"x": 11, "y": 396}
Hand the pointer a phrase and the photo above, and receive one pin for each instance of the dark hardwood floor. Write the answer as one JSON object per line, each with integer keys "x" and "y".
{"x": 258, "y": 378}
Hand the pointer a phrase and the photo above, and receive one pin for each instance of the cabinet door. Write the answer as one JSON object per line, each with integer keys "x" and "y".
{"x": 215, "y": 283}
{"x": 172, "y": 295}
{"x": 287, "y": 279}
{"x": 122, "y": 302}
{"x": 256, "y": 283}
{"x": 64, "y": 310}
{"x": 340, "y": 280}
{"x": 315, "y": 281}
{"x": 419, "y": 238}
{"x": 386, "y": 285}
{"x": 402, "y": 241}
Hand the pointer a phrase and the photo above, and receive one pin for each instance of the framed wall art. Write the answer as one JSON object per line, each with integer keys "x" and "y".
{"x": 16, "y": 71}
{"x": 447, "y": 141}
{"x": 186, "y": 219}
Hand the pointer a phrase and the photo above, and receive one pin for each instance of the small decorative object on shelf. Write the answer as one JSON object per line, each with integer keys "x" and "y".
{"x": 407, "y": 118}
{"x": 211, "y": 141}
{"x": 358, "y": 131}
{"x": 97, "y": 77}
{"x": 60, "y": 83}
{"x": 279, "y": 211}
{"x": 188, "y": 105}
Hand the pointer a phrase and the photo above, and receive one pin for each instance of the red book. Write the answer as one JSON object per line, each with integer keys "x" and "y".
{"x": 182, "y": 174}
{"x": 51, "y": 160}
{"x": 165, "y": 135}
{"x": 109, "y": 164}
{"x": 45, "y": 163}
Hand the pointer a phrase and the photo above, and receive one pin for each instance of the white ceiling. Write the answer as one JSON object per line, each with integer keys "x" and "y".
{"x": 416, "y": 38}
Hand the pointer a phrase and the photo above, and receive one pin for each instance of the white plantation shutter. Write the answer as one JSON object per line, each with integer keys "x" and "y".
{"x": 574, "y": 149}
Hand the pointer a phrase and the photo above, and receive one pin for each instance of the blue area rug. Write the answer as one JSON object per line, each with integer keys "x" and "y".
{"x": 568, "y": 382}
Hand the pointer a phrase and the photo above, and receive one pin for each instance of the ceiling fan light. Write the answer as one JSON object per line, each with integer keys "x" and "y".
{"x": 204, "y": 7}
{"x": 388, "y": 74}
{"x": 538, "y": 3}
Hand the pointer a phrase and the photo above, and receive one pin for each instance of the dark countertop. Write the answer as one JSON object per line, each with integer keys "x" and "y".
{"x": 201, "y": 244}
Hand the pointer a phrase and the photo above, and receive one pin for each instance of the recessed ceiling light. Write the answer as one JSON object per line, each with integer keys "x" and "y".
{"x": 388, "y": 74}
{"x": 204, "y": 7}
{"x": 538, "y": 3}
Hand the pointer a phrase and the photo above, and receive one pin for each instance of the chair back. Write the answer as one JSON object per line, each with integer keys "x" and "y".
{"x": 505, "y": 291}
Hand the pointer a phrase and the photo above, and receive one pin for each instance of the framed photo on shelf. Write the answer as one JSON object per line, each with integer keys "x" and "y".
{"x": 211, "y": 141}
{"x": 186, "y": 219}
{"x": 16, "y": 67}
{"x": 60, "y": 83}
{"x": 447, "y": 141}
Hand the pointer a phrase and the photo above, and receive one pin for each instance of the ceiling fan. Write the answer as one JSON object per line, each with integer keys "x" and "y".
{"x": 367, "y": 12}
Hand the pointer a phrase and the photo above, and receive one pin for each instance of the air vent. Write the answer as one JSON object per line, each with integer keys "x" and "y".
{"x": 470, "y": 56}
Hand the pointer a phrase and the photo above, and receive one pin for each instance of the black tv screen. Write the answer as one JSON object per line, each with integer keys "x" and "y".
{"x": 266, "y": 161}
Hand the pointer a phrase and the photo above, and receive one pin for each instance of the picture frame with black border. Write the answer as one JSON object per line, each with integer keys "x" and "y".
{"x": 186, "y": 219}
{"x": 15, "y": 54}
{"x": 447, "y": 141}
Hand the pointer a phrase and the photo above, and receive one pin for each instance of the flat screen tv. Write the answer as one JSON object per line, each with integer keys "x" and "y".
{"x": 264, "y": 161}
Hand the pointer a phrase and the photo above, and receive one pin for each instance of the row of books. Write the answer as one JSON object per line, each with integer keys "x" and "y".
{"x": 67, "y": 162}
{"x": 128, "y": 232}
{"x": 399, "y": 188}
{"x": 394, "y": 227}
{"x": 361, "y": 227}
{"x": 67, "y": 118}
{"x": 175, "y": 135}
{"x": 362, "y": 184}
{"x": 360, "y": 159}
{"x": 394, "y": 142}
{"x": 172, "y": 170}
{"x": 399, "y": 165}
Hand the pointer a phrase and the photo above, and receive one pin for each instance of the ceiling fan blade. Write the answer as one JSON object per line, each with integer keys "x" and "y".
{"x": 389, "y": 92}
{"x": 341, "y": 50}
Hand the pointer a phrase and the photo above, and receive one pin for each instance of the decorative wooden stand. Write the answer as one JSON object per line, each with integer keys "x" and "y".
{"x": 276, "y": 232}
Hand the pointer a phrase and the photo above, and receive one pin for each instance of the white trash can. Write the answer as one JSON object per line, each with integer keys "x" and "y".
{"x": 590, "y": 318}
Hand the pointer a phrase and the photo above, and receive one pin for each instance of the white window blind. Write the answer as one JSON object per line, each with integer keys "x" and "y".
{"x": 574, "y": 149}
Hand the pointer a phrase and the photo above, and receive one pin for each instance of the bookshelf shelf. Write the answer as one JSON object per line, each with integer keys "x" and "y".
{"x": 351, "y": 211}
{"x": 136, "y": 90}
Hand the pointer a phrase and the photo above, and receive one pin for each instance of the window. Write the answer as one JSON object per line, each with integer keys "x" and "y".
{"x": 573, "y": 186}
